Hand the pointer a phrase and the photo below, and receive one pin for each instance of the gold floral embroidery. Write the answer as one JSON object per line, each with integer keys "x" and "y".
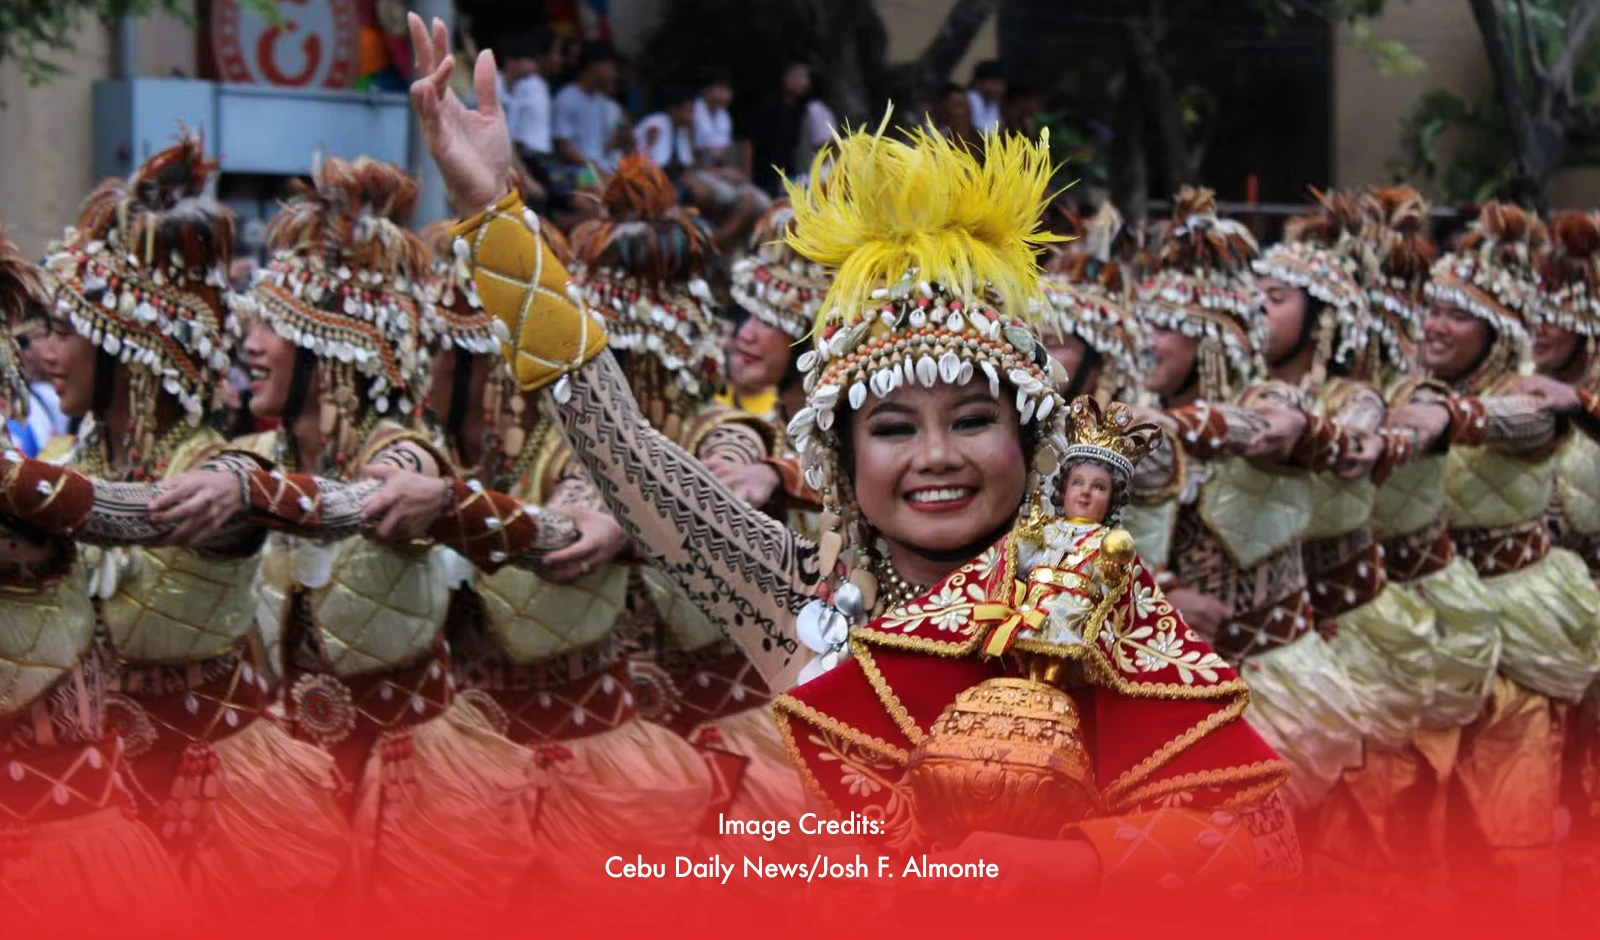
{"x": 875, "y": 779}
{"x": 804, "y": 712}
{"x": 1180, "y": 790}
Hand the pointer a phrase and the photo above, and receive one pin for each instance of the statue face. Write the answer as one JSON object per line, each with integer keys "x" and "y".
{"x": 1088, "y": 492}
{"x": 938, "y": 469}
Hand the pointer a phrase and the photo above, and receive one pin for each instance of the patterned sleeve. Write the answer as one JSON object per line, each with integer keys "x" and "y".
{"x": 743, "y": 568}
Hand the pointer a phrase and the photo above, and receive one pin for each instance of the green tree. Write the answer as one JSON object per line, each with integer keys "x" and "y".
{"x": 1542, "y": 114}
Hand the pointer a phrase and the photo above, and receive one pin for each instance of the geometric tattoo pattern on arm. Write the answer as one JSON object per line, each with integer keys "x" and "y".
{"x": 748, "y": 572}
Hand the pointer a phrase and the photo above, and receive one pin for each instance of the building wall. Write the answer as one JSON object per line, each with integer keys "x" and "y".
{"x": 912, "y": 24}
{"x": 49, "y": 158}
{"x": 1370, "y": 109}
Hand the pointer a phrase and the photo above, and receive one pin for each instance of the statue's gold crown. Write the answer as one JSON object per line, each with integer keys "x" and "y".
{"x": 1109, "y": 435}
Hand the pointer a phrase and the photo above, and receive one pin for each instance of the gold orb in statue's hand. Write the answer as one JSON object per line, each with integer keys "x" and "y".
{"x": 1117, "y": 547}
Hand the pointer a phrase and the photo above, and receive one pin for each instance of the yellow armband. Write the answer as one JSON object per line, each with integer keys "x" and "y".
{"x": 521, "y": 283}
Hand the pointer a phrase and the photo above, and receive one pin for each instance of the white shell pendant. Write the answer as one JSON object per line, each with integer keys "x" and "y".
{"x": 809, "y": 626}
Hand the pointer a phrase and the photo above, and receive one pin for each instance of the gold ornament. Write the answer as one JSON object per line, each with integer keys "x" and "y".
{"x": 1007, "y": 757}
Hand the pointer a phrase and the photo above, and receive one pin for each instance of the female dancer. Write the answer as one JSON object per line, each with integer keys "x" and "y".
{"x": 910, "y": 432}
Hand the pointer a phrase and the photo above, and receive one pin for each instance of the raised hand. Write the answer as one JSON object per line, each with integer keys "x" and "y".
{"x": 471, "y": 147}
{"x": 1283, "y": 430}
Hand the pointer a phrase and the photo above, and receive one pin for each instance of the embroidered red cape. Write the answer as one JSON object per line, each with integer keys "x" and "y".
{"x": 1161, "y": 713}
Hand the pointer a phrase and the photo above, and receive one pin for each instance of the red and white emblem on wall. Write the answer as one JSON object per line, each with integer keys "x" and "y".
{"x": 313, "y": 46}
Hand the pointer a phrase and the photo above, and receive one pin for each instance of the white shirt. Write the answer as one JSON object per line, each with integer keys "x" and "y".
{"x": 588, "y": 121}
{"x": 667, "y": 140}
{"x": 713, "y": 130}
{"x": 985, "y": 116}
{"x": 528, "y": 114}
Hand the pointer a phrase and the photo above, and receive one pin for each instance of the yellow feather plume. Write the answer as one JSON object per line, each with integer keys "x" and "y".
{"x": 969, "y": 223}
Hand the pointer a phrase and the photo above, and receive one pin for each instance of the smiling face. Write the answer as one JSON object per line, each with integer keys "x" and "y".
{"x": 938, "y": 469}
{"x": 1088, "y": 492}
{"x": 1553, "y": 349}
{"x": 270, "y": 359}
{"x": 1453, "y": 341}
{"x": 1173, "y": 356}
{"x": 758, "y": 356}
{"x": 68, "y": 361}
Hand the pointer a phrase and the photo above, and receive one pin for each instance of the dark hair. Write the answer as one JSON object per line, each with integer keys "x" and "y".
{"x": 950, "y": 88}
{"x": 715, "y": 75}
{"x": 596, "y": 52}
{"x": 535, "y": 45}
{"x": 676, "y": 96}
{"x": 987, "y": 69}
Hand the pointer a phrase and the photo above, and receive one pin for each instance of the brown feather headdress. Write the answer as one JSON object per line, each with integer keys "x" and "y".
{"x": 643, "y": 266}
{"x": 1087, "y": 296}
{"x": 1201, "y": 285}
{"x": 343, "y": 283}
{"x": 1492, "y": 275}
{"x": 1570, "y": 273}
{"x": 144, "y": 276}
{"x": 1397, "y": 260}
{"x": 1320, "y": 255}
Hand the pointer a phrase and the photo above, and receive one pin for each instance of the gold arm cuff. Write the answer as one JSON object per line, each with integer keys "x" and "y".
{"x": 524, "y": 286}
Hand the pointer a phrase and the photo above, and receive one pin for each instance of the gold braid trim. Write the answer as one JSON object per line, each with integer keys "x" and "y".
{"x": 1165, "y": 754}
{"x": 891, "y": 702}
{"x": 797, "y": 760}
{"x": 1272, "y": 772}
{"x": 804, "y": 712}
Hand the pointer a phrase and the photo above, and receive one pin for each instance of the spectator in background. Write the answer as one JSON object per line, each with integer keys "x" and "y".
{"x": 588, "y": 127}
{"x": 779, "y": 131}
{"x": 719, "y": 184}
{"x": 819, "y": 126}
{"x": 952, "y": 114}
{"x": 525, "y": 61}
{"x": 1019, "y": 113}
{"x": 667, "y": 136}
{"x": 713, "y": 124}
{"x": 987, "y": 93}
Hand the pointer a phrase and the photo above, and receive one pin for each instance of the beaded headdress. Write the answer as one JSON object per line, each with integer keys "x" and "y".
{"x": 455, "y": 321}
{"x": 22, "y": 296}
{"x": 1320, "y": 254}
{"x": 935, "y": 254}
{"x": 1570, "y": 273}
{"x": 1491, "y": 275}
{"x": 775, "y": 284}
{"x": 143, "y": 275}
{"x": 1087, "y": 295}
{"x": 343, "y": 283}
{"x": 643, "y": 267}
{"x": 1397, "y": 259}
{"x": 1200, "y": 285}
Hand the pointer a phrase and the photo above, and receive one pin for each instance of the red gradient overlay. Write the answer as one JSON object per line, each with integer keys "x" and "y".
{"x": 1023, "y": 903}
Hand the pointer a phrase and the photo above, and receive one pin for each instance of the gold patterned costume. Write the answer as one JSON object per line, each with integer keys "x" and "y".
{"x": 545, "y": 661}
{"x": 245, "y": 810}
{"x": 1229, "y": 528}
{"x": 1496, "y": 500}
{"x": 434, "y": 794}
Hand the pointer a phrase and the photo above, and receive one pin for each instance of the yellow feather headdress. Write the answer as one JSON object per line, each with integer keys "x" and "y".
{"x": 935, "y": 252}
{"x": 930, "y": 208}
